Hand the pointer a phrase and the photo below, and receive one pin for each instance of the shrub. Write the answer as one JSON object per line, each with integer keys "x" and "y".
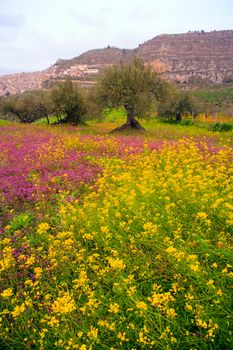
{"x": 221, "y": 127}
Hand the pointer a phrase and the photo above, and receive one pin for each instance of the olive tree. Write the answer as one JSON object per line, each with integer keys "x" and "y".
{"x": 27, "y": 107}
{"x": 68, "y": 100}
{"x": 43, "y": 104}
{"x": 133, "y": 86}
{"x": 177, "y": 104}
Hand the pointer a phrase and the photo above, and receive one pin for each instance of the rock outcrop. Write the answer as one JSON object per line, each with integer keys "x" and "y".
{"x": 192, "y": 57}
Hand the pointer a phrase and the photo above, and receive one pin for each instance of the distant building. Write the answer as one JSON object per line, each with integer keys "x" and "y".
{"x": 81, "y": 67}
{"x": 91, "y": 71}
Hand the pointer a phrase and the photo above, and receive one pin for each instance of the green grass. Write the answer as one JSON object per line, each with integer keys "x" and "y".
{"x": 4, "y": 122}
{"x": 216, "y": 95}
{"x": 43, "y": 121}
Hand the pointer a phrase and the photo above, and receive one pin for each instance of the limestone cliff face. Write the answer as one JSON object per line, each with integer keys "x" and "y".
{"x": 190, "y": 58}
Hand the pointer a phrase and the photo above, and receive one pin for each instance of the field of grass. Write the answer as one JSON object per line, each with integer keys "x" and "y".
{"x": 115, "y": 241}
{"x": 218, "y": 102}
{"x": 216, "y": 95}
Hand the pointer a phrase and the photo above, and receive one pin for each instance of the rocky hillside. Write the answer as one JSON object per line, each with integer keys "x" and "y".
{"x": 190, "y": 58}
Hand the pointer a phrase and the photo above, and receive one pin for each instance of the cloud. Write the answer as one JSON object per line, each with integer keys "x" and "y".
{"x": 88, "y": 21}
{"x": 139, "y": 11}
{"x": 11, "y": 20}
{"x": 10, "y": 27}
{"x": 33, "y": 34}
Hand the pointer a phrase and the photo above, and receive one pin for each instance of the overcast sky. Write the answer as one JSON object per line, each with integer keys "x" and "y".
{"x": 35, "y": 33}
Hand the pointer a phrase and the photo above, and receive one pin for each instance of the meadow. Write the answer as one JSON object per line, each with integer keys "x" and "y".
{"x": 115, "y": 241}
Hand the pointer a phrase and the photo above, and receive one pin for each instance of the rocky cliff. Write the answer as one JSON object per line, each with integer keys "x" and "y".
{"x": 190, "y": 58}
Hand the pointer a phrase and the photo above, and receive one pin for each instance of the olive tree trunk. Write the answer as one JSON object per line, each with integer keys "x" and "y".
{"x": 131, "y": 124}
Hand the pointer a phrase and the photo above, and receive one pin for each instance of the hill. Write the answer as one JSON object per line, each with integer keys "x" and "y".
{"x": 193, "y": 58}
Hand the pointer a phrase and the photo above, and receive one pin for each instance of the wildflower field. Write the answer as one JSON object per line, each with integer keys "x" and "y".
{"x": 115, "y": 241}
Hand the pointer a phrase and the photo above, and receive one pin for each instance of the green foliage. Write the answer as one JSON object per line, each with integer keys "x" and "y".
{"x": 187, "y": 122}
{"x": 43, "y": 103}
{"x": 44, "y": 121}
{"x": 132, "y": 86}
{"x": 67, "y": 99}
{"x": 20, "y": 221}
{"x": 27, "y": 107}
{"x": 177, "y": 104}
{"x": 221, "y": 127}
{"x": 4, "y": 122}
{"x": 215, "y": 95}
{"x": 213, "y": 100}
{"x": 113, "y": 114}
{"x": 93, "y": 109}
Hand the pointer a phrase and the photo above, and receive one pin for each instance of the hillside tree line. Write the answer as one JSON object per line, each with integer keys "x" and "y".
{"x": 136, "y": 87}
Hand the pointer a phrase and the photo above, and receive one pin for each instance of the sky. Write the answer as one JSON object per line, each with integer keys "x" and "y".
{"x": 35, "y": 33}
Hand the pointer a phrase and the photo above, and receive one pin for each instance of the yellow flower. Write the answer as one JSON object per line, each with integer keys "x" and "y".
{"x": 18, "y": 310}
{"x": 191, "y": 257}
{"x": 201, "y": 215}
{"x": 83, "y": 347}
{"x": 114, "y": 308}
{"x": 88, "y": 236}
{"x": 53, "y": 321}
{"x": 201, "y": 323}
{"x": 171, "y": 250}
{"x": 188, "y": 307}
{"x": 8, "y": 260}
{"x": 149, "y": 226}
{"x": 6, "y": 241}
{"x": 194, "y": 267}
{"x": 47, "y": 297}
{"x": 160, "y": 299}
{"x": 141, "y": 305}
{"x": 64, "y": 304}
{"x": 38, "y": 272}
{"x": 106, "y": 324}
{"x": 173, "y": 340}
{"x": 171, "y": 312}
{"x": 122, "y": 336}
{"x": 82, "y": 280}
{"x": 104, "y": 229}
{"x": 7, "y": 293}
{"x": 43, "y": 227}
{"x": 210, "y": 282}
{"x": 131, "y": 290}
{"x": 93, "y": 333}
{"x": 116, "y": 263}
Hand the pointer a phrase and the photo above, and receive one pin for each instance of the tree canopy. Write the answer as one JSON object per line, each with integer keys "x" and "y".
{"x": 27, "y": 107}
{"x": 177, "y": 104}
{"x": 67, "y": 100}
{"x": 133, "y": 86}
